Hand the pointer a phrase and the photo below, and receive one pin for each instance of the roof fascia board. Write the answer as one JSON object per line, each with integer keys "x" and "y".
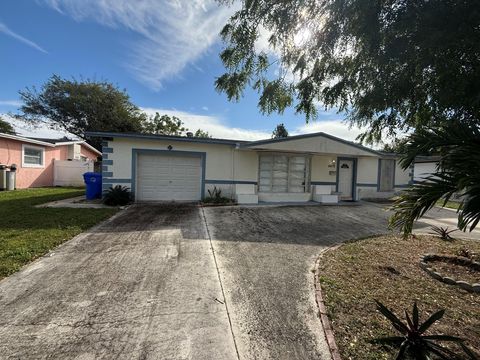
{"x": 26, "y": 140}
{"x": 160, "y": 137}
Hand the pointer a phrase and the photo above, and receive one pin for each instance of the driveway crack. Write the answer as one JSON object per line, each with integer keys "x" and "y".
{"x": 220, "y": 281}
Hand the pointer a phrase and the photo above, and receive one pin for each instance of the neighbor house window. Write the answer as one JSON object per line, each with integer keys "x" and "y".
{"x": 33, "y": 156}
{"x": 386, "y": 175}
{"x": 281, "y": 173}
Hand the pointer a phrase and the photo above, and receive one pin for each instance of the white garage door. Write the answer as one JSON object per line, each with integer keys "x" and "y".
{"x": 167, "y": 177}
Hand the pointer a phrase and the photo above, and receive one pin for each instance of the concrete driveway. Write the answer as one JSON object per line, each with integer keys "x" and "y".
{"x": 142, "y": 286}
{"x": 182, "y": 282}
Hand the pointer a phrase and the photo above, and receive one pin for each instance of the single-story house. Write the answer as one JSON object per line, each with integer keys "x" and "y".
{"x": 35, "y": 157}
{"x": 293, "y": 169}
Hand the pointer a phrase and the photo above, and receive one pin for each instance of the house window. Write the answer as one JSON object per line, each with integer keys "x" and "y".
{"x": 386, "y": 175}
{"x": 281, "y": 173}
{"x": 33, "y": 156}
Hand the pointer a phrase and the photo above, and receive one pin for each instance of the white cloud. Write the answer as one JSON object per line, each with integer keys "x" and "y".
{"x": 213, "y": 124}
{"x": 4, "y": 29}
{"x": 42, "y": 131}
{"x": 13, "y": 103}
{"x": 332, "y": 127}
{"x": 205, "y": 108}
{"x": 173, "y": 34}
{"x": 218, "y": 129}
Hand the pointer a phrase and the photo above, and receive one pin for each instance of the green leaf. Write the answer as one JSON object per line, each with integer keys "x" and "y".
{"x": 402, "y": 351}
{"x": 396, "y": 322}
{"x": 430, "y": 321}
{"x": 443, "y": 338}
{"x": 415, "y": 316}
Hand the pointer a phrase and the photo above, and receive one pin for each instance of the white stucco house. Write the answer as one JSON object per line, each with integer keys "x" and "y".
{"x": 311, "y": 167}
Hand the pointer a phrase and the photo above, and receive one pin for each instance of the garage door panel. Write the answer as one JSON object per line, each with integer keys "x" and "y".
{"x": 166, "y": 177}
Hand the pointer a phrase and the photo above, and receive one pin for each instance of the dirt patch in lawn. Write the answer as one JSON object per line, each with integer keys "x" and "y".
{"x": 387, "y": 268}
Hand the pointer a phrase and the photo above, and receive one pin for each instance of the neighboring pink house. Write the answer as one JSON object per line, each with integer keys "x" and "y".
{"x": 35, "y": 157}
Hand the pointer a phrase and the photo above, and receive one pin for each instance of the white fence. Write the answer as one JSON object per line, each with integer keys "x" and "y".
{"x": 70, "y": 173}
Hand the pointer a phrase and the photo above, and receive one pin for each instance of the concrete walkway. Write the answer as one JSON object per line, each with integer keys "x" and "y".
{"x": 142, "y": 286}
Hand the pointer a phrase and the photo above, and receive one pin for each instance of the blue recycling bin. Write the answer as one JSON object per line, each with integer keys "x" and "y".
{"x": 93, "y": 182}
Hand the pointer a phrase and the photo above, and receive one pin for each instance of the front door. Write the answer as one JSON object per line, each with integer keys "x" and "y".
{"x": 345, "y": 179}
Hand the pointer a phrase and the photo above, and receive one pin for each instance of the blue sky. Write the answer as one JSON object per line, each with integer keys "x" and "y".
{"x": 163, "y": 52}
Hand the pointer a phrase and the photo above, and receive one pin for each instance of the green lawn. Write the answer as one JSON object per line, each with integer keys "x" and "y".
{"x": 27, "y": 232}
{"x": 449, "y": 204}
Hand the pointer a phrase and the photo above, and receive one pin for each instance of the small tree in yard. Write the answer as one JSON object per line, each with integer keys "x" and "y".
{"x": 280, "y": 132}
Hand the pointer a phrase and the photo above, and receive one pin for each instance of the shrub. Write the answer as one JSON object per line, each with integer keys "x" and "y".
{"x": 442, "y": 232}
{"x": 413, "y": 343}
{"x": 215, "y": 197}
{"x": 117, "y": 196}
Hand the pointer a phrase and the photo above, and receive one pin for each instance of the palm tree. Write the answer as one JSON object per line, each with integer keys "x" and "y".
{"x": 458, "y": 172}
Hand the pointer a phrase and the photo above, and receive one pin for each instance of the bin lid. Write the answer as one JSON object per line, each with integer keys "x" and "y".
{"x": 92, "y": 174}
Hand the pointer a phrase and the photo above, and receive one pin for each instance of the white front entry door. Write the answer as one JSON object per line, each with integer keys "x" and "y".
{"x": 345, "y": 179}
{"x": 168, "y": 177}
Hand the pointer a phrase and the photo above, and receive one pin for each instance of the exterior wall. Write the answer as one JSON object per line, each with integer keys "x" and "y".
{"x": 89, "y": 154}
{"x": 11, "y": 153}
{"x": 226, "y": 167}
{"x": 219, "y": 160}
{"x": 367, "y": 179}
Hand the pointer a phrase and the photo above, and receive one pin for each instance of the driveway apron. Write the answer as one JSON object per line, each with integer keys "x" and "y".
{"x": 141, "y": 286}
{"x": 266, "y": 256}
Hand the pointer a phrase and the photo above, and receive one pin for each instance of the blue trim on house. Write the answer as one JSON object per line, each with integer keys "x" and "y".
{"x": 135, "y": 152}
{"x": 322, "y": 183}
{"x": 354, "y": 175}
{"x": 104, "y": 157}
{"x": 366, "y": 185}
{"x": 107, "y": 150}
{"x": 231, "y": 182}
{"x": 106, "y": 174}
{"x": 104, "y": 143}
{"x": 116, "y": 181}
{"x": 107, "y": 162}
{"x": 164, "y": 137}
{"x": 104, "y": 168}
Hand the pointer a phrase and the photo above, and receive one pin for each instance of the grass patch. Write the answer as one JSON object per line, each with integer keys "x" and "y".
{"x": 450, "y": 204}
{"x": 386, "y": 268}
{"x": 27, "y": 232}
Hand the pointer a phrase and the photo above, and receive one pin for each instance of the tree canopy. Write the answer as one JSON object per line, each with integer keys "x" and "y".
{"x": 390, "y": 65}
{"x": 164, "y": 125}
{"x": 202, "y": 134}
{"x": 6, "y": 128}
{"x": 77, "y": 106}
{"x": 279, "y": 132}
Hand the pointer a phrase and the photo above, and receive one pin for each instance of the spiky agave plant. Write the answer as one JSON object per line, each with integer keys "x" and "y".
{"x": 413, "y": 343}
{"x": 442, "y": 232}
